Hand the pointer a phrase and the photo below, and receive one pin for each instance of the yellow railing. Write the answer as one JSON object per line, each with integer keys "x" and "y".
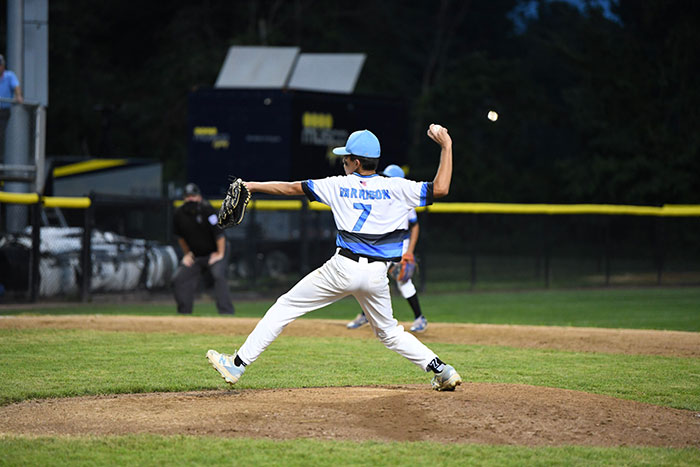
{"x": 668, "y": 210}
{"x": 87, "y": 166}
{"x": 555, "y": 209}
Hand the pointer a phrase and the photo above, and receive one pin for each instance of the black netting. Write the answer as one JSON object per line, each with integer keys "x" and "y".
{"x": 132, "y": 250}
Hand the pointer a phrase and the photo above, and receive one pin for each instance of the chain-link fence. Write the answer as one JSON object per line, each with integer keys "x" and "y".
{"x": 127, "y": 247}
{"x": 499, "y": 251}
{"x": 102, "y": 244}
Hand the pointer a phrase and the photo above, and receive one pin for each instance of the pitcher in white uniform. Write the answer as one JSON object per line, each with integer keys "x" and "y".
{"x": 371, "y": 215}
{"x": 405, "y": 286}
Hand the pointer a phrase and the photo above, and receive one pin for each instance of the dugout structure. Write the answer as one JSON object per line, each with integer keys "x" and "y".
{"x": 276, "y": 113}
{"x": 275, "y": 134}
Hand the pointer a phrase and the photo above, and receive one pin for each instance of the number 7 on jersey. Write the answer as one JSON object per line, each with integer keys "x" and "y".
{"x": 366, "y": 208}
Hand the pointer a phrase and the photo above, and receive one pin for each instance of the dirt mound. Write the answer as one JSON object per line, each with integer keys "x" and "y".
{"x": 474, "y": 413}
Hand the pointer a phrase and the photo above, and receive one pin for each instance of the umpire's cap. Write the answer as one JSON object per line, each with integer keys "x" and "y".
{"x": 393, "y": 170}
{"x": 361, "y": 143}
{"x": 192, "y": 190}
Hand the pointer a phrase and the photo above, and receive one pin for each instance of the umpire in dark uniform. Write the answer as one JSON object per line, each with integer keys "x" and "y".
{"x": 204, "y": 246}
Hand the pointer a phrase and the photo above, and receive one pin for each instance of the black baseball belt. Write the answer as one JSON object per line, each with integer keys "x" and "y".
{"x": 355, "y": 257}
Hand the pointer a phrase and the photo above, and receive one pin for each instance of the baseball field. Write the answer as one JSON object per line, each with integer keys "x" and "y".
{"x": 576, "y": 377}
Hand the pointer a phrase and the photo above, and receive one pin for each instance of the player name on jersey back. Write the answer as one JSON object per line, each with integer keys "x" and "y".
{"x": 363, "y": 194}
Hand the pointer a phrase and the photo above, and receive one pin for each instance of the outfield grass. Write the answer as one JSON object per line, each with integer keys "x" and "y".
{"x": 186, "y": 450}
{"x": 655, "y": 308}
{"x": 56, "y": 363}
{"x": 38, "y": 363}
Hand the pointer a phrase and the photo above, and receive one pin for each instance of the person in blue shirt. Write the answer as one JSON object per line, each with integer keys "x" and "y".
{"x": 9, "y": 89}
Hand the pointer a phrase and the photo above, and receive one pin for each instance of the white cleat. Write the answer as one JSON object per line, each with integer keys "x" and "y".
{"x": 224, "y": 365}
{"x": 447, "y": 380}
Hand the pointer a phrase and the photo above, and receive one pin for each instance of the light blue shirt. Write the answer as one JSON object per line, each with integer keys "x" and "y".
{"x": 8, "y": 83}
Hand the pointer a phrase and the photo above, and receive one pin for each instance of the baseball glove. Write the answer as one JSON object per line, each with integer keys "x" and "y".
{"x": 233, "y": 206}
{"x": 403, "y": 271}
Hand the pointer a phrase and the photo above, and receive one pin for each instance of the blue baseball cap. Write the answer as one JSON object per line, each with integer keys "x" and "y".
{"x": 361, "y": 143}
{"x": 393, "y": 170}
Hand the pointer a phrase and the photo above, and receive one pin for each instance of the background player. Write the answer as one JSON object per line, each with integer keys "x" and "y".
{"x": 370, "y": 212}
{"x": 407, "y": 289}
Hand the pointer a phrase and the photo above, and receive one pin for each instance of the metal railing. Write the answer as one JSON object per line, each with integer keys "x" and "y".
{"x": 462, "y": 246}
{"x": 13, "y": 171}
{"x": 98, "y": 249}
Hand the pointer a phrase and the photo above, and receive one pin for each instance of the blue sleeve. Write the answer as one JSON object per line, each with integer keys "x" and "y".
{"x": 426, "y": 194}
{"x": 14, "y": 82}
{"x": 308, "y": 187}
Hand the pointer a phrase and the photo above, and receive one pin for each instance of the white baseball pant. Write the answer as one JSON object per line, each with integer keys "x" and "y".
{"x": 407, "y": 288}
{"x": 338, "y": 278}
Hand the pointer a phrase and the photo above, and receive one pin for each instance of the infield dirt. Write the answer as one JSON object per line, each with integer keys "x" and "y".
{"x": 474, "y": 413}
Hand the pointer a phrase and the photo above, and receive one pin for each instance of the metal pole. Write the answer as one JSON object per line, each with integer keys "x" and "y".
{"x": 17, "y": 134}
{"x": 86, "y": 260}
{"x": 472, "y": 253}
{"x": 169, "y": 212}
{"x": 659, "y": 248}
{"x": 15, "y": 37}
{"x": 40, "y": 149}
{"x": 252, "y": 247}
{"x": 547, "y": 251}
{"x": 34, "y": 276}
{"x": 608, "y": 250}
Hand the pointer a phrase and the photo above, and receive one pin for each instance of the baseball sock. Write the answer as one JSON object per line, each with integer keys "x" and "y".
{"x": 436, "y": 365}
{"x": 238, "y": 362}
{"x": 415, "y": 306}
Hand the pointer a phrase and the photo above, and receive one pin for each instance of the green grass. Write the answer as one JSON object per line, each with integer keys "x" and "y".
{"x": 655, "y": 308}
{"x": 185, "y": 450}
{"x": 676, "y": 309}
{"x": 40, "y": 363}
{"x": 53, "y": 363}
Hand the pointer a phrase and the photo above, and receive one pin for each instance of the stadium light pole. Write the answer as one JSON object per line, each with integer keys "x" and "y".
{"x": 17, "y": 135}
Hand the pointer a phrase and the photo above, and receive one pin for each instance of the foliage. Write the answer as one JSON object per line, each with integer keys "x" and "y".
{"x": 594, "y": 107}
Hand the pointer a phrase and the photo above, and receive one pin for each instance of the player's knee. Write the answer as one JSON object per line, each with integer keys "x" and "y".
{"x": 389, "y": 338}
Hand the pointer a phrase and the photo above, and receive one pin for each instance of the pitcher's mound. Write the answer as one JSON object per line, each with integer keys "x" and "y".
{"x": 474, "y": 413}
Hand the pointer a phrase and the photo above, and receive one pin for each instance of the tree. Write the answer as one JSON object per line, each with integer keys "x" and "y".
{"x": 592, "y": 109}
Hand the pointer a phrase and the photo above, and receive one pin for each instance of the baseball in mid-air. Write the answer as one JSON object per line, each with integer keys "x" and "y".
{"x": 492, "y": 115}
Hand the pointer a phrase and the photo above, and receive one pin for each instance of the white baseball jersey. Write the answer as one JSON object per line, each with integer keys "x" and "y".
{"x": 412, "y": 219}
{"x": 371, "y": 212}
